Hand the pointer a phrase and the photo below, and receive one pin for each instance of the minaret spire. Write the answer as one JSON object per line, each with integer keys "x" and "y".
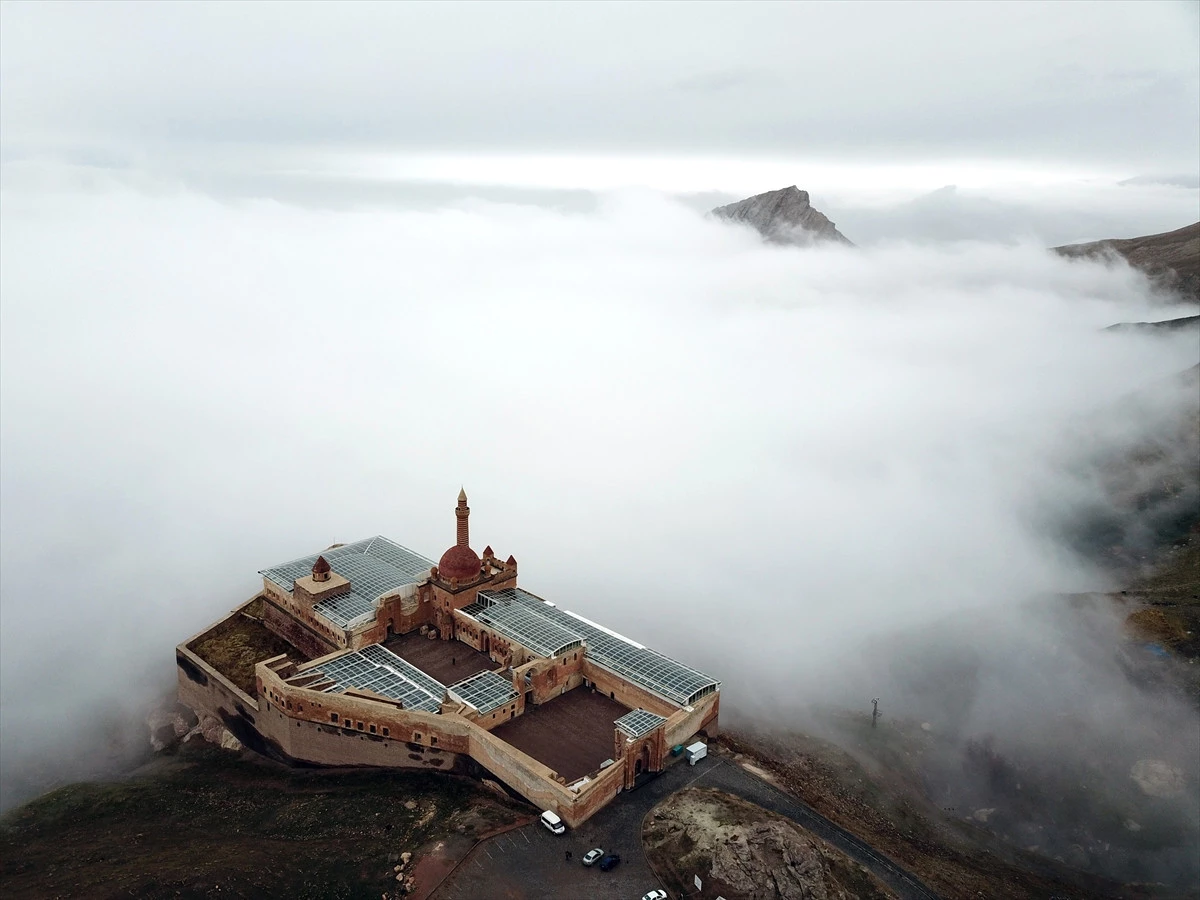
{"x": 462, "y": 513}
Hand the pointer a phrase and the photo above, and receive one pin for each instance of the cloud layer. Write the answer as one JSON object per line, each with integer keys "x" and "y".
{"x": 760, "y": 460}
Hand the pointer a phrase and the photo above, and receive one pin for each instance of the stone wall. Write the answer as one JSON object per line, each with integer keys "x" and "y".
{"x": 622, "y": 691}
{"x": 308, "y": 641}
{"x": 290, "y": 722}
{"x": 487, "y": 640}
{"x": 683, "y": 725}
{"x": 212, "y": 696}
{"x": 368, "y": 730}
{"x": 334, "y": 745}
{"x": 554, "y": 677}
{"x": 539, "y": 785}
{"x": 302, "y": 615}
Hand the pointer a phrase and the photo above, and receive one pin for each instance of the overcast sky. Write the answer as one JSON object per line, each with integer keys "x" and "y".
{"x": 279, "y": 275}
{"x": 1106, "y": 87}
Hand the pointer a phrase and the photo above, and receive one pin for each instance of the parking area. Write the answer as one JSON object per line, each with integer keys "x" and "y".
{"x": 531, "y": 864}
{"x": 571, "y": 734}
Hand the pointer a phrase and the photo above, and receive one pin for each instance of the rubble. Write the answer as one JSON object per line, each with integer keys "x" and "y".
{"x": 744, "y": 851}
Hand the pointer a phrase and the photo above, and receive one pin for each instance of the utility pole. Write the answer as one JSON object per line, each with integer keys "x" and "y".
{"x": 874, "y": 711}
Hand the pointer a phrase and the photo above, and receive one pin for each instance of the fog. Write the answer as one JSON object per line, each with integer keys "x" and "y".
{"x": 795, "y": 470}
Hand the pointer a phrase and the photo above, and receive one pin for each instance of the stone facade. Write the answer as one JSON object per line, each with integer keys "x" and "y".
{"x": 292, "y": 717}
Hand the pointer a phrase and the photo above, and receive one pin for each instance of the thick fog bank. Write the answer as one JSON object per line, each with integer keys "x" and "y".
{"x": 762, "y": 461}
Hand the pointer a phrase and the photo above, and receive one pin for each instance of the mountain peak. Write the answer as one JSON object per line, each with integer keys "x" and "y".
{"x": 784, "y": 216}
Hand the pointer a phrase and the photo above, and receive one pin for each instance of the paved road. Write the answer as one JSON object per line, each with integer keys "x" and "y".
{"x": 529, "y": 863}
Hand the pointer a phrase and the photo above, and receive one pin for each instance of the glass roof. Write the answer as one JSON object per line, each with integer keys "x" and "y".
{"x": 523, "y": 625}
{"x": 484, "y": 690}
{"x": 378, "y": 669}
{"x": 639, "y": 722}
{"x": 375, "y": 567}
{"x": 652, "y": 670}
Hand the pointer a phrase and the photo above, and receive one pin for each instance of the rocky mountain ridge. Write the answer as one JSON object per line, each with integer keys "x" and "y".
{"x": 785, "y": 216}
{"x": 1171, "y": 259}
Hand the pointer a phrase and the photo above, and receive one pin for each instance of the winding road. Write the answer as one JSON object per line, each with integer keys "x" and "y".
{"x": 531, "y": 864}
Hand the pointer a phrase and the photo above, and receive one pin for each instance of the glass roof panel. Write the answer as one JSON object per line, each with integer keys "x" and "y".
{"x": 377, "y": 669}
{"x": 485, "y": 691}
{"x": 639, "y": 722}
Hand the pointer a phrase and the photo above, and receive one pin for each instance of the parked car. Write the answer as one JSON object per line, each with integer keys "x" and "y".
{"x": 610, "y": 862}
{"x": 591, "y": 856}
{"x": 656, "y": 894}
{"x": 552, "y": 822}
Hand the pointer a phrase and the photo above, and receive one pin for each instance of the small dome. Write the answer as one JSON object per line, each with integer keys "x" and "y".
{"x": 321, "y": 566}
{"x": 459, "y": 562}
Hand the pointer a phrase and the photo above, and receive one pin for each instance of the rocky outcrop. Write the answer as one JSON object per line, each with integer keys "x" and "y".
{"x": 168, "y": 723}
{"x": 1157, "y": 778}
{"x": 1171, "y": 260}
{"x": 741, "y": 850}
{"x": 784, "y": 217}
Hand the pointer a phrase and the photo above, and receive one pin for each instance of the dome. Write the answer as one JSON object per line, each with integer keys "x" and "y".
{"x": 459, "y": 562}
{"x": 321, "y": 566}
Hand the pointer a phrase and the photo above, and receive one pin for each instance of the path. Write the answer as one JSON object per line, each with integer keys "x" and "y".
{"x": 530, "y": 864}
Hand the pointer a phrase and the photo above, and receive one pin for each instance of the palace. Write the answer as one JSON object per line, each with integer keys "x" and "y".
{"x": 383, "y": 658}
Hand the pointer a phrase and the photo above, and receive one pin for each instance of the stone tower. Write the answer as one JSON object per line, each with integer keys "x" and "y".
{"x": 460, "y": 563}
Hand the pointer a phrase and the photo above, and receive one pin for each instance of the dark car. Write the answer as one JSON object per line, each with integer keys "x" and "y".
{"x": 610, "y": 862}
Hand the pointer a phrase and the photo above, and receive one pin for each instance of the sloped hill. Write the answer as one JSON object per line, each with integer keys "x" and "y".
{"x": 1171, "y": 259}
{"x": 205, "y": 823}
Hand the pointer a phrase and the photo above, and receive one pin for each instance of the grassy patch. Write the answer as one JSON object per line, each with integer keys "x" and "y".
{"x": 233, "y": 647}
{"x": 208, "y": 824}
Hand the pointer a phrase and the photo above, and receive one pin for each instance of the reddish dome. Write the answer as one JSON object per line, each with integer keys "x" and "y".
{"x": 459, "y": 562}
{"x": 320, "y": 566}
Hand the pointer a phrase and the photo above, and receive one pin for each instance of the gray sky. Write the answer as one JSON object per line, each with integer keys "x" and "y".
{"x": 1111, "y": 86}
{"x": 276, "y": 276}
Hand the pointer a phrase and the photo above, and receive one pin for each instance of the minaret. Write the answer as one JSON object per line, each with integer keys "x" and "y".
{"x": 462, "y": 513}
{"x": 460, "y": 563}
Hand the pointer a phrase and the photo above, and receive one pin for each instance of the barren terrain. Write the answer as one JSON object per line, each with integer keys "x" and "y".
{"x": 205, "y": 823}
{"x": 747, "y": 853}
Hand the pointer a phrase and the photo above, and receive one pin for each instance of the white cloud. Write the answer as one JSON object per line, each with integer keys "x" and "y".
{"x": 756, "y": 459}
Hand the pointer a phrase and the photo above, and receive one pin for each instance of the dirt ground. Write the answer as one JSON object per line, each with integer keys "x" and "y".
{"x": 206, "y": 823}
{"x": 571, "y": 734}
{"x": 745, "y": 852}
{"x": 446, "y": 661}
{"x": 886, "y": 808}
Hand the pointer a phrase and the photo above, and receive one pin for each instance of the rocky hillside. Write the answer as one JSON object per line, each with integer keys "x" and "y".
{"x": 1172, "y": 259}
{"x": 783, "y": 217}
{"x": 744, "y": 852}
{"x": 202, "y": 822}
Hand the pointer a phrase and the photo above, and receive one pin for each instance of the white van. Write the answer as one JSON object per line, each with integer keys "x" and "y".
{"x": 553, "y": 822}
{"x": 696, "y": 752}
